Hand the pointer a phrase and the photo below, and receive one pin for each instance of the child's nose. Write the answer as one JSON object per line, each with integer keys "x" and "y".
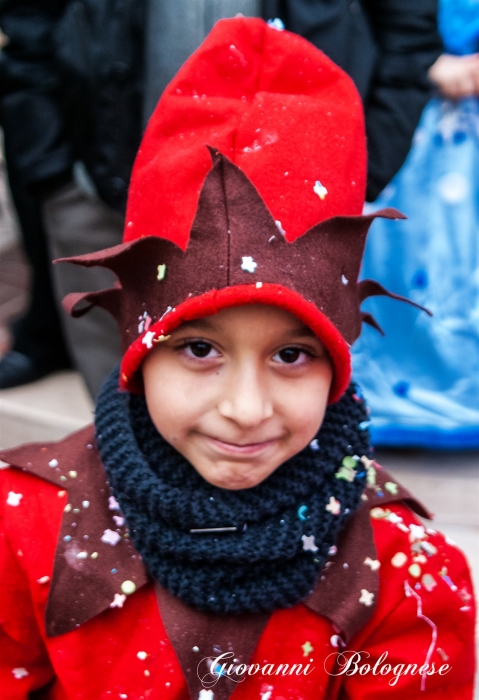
{"x": 246, "y": 399}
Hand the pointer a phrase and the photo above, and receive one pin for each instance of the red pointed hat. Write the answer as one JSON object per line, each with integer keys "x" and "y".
{"x": 248, "y": 188}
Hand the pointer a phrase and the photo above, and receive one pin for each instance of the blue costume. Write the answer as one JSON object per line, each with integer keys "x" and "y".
{"x": 422, "y": 379}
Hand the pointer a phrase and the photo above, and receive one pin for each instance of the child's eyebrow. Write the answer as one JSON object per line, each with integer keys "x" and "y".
{"x": 300, "y": 330}
{"x": 203, "y": 324}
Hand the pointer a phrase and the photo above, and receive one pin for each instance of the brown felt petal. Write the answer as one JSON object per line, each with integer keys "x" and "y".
{"x": 371, "y": 288}
{"x": 198, "y": 638}
{"x": 371, "y": 321}
{"x": 108, "y": 299}
{"x": 107, "y": 257}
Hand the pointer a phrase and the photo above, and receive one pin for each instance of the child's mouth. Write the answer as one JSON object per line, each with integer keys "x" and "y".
{"x": 232, "y": 448}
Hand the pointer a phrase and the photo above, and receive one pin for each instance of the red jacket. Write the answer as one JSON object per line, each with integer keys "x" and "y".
{"x": 67, "y": 624}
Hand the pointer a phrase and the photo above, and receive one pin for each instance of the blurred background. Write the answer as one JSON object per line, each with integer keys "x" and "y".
{"x": 78, "y": 82}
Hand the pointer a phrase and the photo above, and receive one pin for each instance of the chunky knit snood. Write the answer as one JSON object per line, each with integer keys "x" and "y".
{"x": 285, "y": 525}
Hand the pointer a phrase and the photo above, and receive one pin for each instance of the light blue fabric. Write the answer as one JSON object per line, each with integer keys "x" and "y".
{"x": 459, "y": 25}
{"x": 422, "y": 380}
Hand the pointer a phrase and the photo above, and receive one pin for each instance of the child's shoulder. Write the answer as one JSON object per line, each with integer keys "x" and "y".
{"x": 409, "y": 548}
{"x": 421, "y": 573}
{"x": 35, "y": 492}
{"x": 414, "y": 551}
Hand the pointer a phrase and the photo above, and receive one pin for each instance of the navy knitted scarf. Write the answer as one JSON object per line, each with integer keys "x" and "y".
{"x": 285, "y": 526}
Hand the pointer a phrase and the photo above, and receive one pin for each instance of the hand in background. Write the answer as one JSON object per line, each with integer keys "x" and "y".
{"x": 456, "y": 76}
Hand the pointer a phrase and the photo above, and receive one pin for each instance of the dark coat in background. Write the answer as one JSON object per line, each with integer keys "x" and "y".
{"x": 71, "y": 80}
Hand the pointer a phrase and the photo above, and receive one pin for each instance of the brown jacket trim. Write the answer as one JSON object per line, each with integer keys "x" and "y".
{"x": 198, "y": 638}
{"x": 95, "y": 555}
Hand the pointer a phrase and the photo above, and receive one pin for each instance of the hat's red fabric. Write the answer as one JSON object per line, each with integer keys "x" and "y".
{"x": 275, "y": 106}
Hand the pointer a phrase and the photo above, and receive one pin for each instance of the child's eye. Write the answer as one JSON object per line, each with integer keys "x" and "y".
{"x": 291, "y": 356}
{"x": 200, "y": 349}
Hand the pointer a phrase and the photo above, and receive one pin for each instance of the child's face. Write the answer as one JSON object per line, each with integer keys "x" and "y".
{"x": 238, "y": 393}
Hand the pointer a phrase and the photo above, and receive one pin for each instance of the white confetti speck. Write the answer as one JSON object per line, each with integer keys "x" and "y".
{"x": 366, "y": 598}
{"x": 428, "y": 582}
{"x": 118, "y": 600}
{"x": 320, "y": 190}
{"x": 248, "y": 264}
{"x": 344, "y": 280}
{"x": 110, "y": 537}
{"x": 113, "y": 503}
{"x": 399, "y": 559}
{"x": 334, "y": 506}
{"x": 142, "y": 655}
{"x": 259, "y": 285}
{"x": 374, "y": 564}
{"x": 73, "y": 474}
{"x": 205, "y": 695}
{"x": 148, "y": 339}
{"x": 277, "y": 24}
{"x": 280, "y": 228}
{"x": 86, "y": 504}
{"x": 20, "y": 673}
{"x": 395, "y": 519}
{"x": 13, "y": 499}
{"x": 53, "y": 463}
{"x": 335, "y": 641}
{"x": 196, "y": 649}
{"x": 429, "y": 548}
{"x": 82, "y": 555}
{"x": 314, "y": 445}
{"x": 417, "y": 532}
{"x": 119, "y": 520}
{"x": 43, "y": 579}
{"x": 165, "y": 313}
{"x": 309, "y": 543}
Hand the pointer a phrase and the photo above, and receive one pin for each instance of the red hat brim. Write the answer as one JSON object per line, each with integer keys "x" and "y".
{"x": 214, "y": 301}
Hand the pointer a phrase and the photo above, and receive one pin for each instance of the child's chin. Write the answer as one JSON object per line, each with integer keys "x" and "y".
{"x": 235, "y": 477}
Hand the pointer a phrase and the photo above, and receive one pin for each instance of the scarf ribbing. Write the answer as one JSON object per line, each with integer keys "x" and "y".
{"x": 267, "y": 563}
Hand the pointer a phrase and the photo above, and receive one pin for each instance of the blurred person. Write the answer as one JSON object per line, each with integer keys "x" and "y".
{"x": 429, "y": 396}
{"x": 104, "y": 65}
{"x": 37, "y": 345}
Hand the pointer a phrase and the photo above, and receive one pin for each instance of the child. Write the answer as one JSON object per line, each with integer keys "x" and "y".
{"x": 223, "y": 528}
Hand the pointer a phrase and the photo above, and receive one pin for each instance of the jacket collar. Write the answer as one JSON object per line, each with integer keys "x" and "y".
{"x": 94, "y": 554}
{"x": 93, "y": 540}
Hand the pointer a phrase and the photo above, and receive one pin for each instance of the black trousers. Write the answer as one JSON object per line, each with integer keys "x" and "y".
{"x": 38, "y": 333}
